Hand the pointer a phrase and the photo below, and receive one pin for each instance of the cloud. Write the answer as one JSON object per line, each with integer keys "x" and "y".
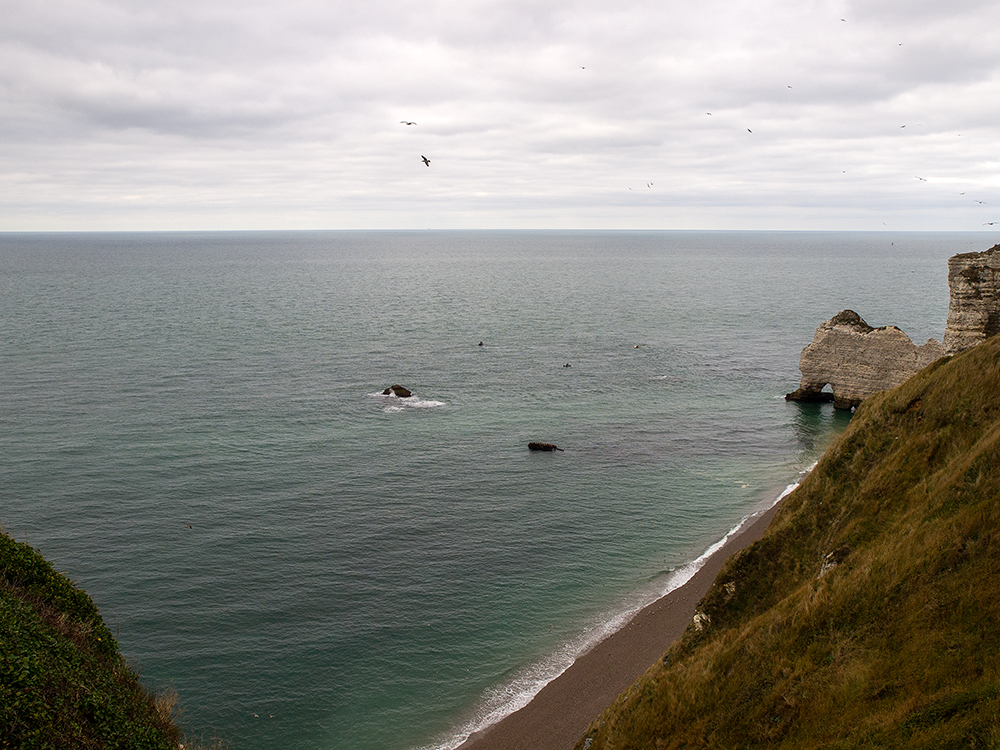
{"x": 230, "y": 114}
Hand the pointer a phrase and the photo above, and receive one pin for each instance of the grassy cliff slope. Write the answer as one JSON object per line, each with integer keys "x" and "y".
{"x": 868, "y": 616}
{"x": 63, "y": 683}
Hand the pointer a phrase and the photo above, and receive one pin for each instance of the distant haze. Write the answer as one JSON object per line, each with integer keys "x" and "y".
{"x": 723, "y": 114}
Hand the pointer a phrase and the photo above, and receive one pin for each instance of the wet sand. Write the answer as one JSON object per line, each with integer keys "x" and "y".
{"x": 557, "y": 717}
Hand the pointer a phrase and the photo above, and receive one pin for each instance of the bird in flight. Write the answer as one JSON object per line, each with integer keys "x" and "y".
{"x": 991, "y": 223}
{"x": 922, "y": 179}
{"x": 406, "y": 122}
{"x": 427, "y": 162}
{"x": 982, "y": 202}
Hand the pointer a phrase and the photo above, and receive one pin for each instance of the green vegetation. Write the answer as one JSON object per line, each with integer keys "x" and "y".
{"x": 63, "y": 683}
{"x": 868, "y": 616}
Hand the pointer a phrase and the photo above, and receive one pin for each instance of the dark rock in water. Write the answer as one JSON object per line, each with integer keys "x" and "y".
{"x": 543, "y": 447}
{"x": 398, "y": 390}
{"x": 809, "y": 396}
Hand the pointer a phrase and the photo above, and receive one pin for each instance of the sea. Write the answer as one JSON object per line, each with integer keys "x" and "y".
{"x": 194, "y": 429}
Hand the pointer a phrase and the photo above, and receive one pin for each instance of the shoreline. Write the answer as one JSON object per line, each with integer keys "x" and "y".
{"x": 560, "y": 712}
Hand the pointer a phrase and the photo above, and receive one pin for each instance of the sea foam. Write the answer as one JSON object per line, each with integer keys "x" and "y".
{"x": 393, "y": 404}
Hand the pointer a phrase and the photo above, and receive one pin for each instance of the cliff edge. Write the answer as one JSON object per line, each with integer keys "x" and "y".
{"x": 974, "y": 306}
{"x": 63, "y": 682}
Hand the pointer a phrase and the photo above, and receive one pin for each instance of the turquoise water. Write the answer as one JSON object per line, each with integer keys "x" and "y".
{"x": 194, "y": 431}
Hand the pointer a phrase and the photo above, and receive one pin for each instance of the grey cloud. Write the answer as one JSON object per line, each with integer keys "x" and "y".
{"x": 565, "y": 103}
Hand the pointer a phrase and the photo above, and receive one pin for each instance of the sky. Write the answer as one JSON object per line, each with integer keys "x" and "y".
{"x": 588, "y": 114}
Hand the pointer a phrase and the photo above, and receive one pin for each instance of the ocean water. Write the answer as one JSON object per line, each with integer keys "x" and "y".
{"x": 192, "y": 428}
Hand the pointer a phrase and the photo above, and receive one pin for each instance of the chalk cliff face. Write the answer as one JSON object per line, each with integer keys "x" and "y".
{"x": 858, "y": 361}
{"x": 974, "y": 309}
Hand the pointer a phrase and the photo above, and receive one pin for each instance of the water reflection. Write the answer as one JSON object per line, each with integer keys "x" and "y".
{"x": 817, "y": 425}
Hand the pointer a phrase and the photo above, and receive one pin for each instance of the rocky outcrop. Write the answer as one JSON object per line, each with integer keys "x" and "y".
{"x": 543, "y": 447}
{"x": 398, "y": 391}
{"x": 856, "y": 360}
{"x": 974, "y": 308}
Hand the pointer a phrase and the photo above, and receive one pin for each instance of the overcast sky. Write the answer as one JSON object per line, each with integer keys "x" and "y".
{"x": 717, "y": 114}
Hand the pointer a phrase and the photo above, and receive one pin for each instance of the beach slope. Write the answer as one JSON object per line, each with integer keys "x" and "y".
{"x": 558, "y": 715}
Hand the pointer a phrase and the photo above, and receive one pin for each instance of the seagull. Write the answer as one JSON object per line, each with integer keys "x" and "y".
{"x": 922, "y": 179}
{"x": 427, "y": 162}
{"x": 649, "y": 184}
{"x": 188, "y": 525}
{"x": 991, "y": 223}
{"x": 406, "y": 122}
{"x": 982, "y": 202}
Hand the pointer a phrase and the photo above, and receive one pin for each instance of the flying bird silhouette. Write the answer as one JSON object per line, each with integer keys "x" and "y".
{"x": 991, "y": 223}
{"x": 982, "y": 202}
{"x": 427, "y": 162}
{"x": 406, "y": 122}
{"x": 922, "y": 179}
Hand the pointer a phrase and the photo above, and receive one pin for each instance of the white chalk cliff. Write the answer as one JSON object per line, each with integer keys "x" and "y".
{"x": 974, "y": 308}
{"x": 856, "y": 360}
